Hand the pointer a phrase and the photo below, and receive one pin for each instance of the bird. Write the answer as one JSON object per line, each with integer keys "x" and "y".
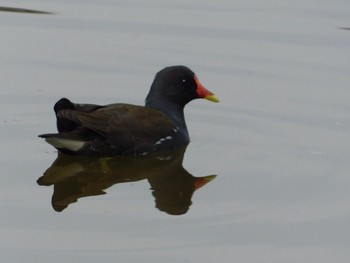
{"x": 127, "y": 129}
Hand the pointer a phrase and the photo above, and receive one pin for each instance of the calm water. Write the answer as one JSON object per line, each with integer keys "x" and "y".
{"x": 279, "y": 141}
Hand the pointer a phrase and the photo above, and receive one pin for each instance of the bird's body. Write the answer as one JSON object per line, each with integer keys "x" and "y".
{"x": 125, "y": 129}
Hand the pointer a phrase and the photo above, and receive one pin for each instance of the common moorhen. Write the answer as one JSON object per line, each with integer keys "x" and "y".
{"x": 125, "y": 129}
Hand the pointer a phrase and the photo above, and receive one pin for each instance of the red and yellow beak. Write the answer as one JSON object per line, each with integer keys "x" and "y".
{"x": 200, "y": 181}
{"x": 203, "y": 92}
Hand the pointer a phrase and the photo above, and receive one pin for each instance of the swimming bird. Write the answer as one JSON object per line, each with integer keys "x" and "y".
{"x": 126, "y": 129}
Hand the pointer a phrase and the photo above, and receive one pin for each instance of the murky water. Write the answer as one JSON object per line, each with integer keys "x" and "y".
{"x": 278, "y": 141}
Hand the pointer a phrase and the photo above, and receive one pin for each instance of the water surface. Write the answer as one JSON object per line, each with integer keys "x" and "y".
{"x": 278, "y": 141}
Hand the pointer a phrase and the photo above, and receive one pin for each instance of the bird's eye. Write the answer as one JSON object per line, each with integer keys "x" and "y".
{"x": 186, "y": 82}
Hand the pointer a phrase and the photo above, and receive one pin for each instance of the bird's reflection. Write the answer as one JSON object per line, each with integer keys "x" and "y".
{"x": 75, "y": 177}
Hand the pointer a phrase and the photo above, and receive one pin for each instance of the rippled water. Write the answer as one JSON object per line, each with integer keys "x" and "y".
{"x": 278, "y": 141}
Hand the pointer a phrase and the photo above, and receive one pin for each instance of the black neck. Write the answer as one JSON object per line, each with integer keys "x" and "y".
{"x": 174, "y": 111}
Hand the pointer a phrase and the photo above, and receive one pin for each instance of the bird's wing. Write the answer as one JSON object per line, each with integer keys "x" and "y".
{"x": 124, "y": 124}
